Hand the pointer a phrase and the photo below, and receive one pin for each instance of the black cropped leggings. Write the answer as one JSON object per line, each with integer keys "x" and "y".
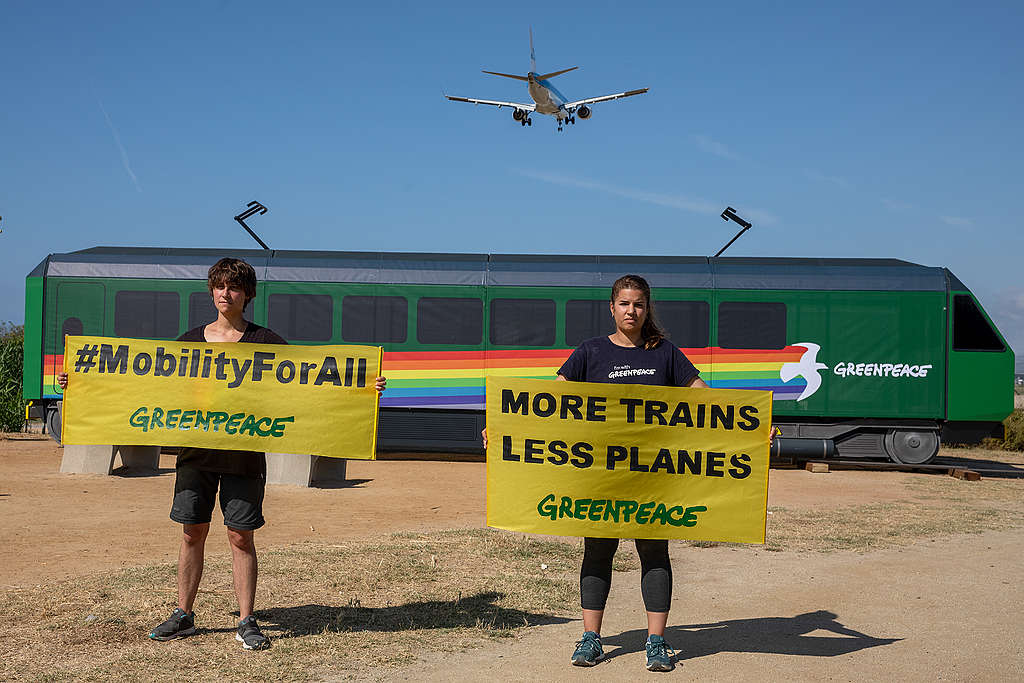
{"x": 596, "y": 573}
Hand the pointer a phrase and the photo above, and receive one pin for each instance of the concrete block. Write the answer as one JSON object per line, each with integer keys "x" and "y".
{"x": 288, "y": 468}
{"x": 328, "y": 470}
{"x": 87, "y": 459}
{"x": 139, "y": 457}
{"x": 99, "y": 459}
{"x": 304, "y": 470}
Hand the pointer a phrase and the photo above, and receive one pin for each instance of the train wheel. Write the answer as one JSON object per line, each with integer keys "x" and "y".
{"x": 911, "y": 447}
{"x": 53, "y": 422}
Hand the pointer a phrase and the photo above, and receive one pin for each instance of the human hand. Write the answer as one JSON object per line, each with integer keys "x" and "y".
{"x": 483, "y": 433}
{"x": 380, "y": 384}
{"x": 62, "y": 380}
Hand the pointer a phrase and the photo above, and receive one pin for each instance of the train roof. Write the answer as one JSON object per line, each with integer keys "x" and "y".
{"x": 507, "y": 269}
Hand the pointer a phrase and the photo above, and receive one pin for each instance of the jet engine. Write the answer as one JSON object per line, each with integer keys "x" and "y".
{"x": 584, "y": 112}
{"x": 518, "y": 114}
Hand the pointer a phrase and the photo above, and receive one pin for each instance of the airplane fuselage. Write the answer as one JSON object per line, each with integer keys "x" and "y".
{"x": 546, "y": 97}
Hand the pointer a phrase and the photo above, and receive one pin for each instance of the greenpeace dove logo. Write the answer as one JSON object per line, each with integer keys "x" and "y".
{"x": 807, "y": 367}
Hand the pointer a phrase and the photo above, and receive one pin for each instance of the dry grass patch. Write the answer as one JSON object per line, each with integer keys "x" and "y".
{"x": 327, "y": 609}
{"x": 935, "y": 506}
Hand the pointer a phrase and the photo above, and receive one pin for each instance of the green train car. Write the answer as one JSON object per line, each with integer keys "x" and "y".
{"x": 866, "y": 357}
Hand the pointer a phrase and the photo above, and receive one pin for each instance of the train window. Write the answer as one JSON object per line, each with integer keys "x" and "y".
{"x": 146, "y": 314}
{"x": 585, "y": 319}
{"x": 374, "y": 319}
{"x": 751, "y": 325}
{"x": 200, "y": 309}
{"x": 686, "y": 322}
{"x": 523, "y": 322}
{"x": 449, "y": 320}
{"x": 301, "y": 317}
{"x": 971, "y": 331}
{"x": 71, "y": 327}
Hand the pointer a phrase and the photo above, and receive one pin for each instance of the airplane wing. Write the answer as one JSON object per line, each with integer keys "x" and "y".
{"x": 605, "y": 98}
{"x": 494, "y": 103}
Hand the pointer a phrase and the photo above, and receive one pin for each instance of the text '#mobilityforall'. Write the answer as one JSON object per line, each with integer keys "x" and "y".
{"x": 201, "y": 363}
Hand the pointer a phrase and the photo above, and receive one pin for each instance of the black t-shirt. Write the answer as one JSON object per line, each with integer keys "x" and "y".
{"x": 601, "y": 360}
{"x": 246, "y": 463}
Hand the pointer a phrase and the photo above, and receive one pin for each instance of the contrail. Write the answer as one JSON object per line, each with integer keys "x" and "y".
{"x": 672, "y": 201}
{"x": 117, "y": 139}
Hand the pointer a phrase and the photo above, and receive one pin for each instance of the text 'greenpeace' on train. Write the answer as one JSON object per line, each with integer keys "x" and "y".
{"x": 866, "y": 357}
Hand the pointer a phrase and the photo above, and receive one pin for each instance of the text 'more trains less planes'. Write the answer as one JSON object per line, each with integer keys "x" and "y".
{"x": 866, "y": 357}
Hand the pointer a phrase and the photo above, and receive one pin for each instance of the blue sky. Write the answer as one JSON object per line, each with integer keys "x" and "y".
{"x": 849, "y": 130}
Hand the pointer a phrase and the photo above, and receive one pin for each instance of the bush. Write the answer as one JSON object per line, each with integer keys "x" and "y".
{"x": 12, "y": 353}
{"x": 1013, "y": 440}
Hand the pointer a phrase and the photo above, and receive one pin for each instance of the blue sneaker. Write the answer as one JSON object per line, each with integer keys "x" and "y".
{"x": 588, "y": 650}
{"x": 658, "y": 654}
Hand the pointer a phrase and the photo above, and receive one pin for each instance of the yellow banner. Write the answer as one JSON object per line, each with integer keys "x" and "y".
{"x": 627, "y": 460}
{"x": 310, "y": 400}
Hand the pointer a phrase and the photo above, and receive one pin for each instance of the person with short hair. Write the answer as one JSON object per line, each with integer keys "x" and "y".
{"x": 240, "y": 475}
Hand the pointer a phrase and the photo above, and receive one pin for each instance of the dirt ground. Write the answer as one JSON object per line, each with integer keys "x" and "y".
{"x": 946, "y": 610}
{"x": 55, "y": 525}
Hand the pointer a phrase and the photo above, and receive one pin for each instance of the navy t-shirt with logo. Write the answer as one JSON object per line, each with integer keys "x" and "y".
{"x": 601, "y": 360}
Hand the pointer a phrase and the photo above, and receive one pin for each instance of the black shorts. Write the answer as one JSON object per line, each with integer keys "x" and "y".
{"x": 241, "y": 498}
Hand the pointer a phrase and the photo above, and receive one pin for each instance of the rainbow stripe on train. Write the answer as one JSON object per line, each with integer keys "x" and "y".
{"x": 455, "y": 379}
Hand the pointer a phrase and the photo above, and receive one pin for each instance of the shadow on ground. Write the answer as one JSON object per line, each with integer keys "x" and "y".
{"x": 771, "y": 635}
{"x": 340, "y": 483}
{"x": 468, "y": 612}
{"x": 132, "y": 472}
{"x": 988, "y": 468}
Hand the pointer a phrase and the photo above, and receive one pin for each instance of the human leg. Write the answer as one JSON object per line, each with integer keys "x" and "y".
{"x": 195, "y": 492}
{"x": 655, "y": 582}
{"x": 596, "y": 579}
{"x": 656, "y": 588}
{"x": 182, "y": 621}
{"x": 241, "y": 499}
{"x": 244, "y": 569}
{"x": 595, "y": 582}
{"x": 190, "y": 563}
{"x": 194, "y": 495}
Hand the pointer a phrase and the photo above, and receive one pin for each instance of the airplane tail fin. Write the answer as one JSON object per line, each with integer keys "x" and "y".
{"x": 518, "y": 78}
{"x": 533, "y": 59}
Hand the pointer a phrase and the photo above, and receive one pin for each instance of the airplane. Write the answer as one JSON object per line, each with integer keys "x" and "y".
{"x": 546, "y": 98}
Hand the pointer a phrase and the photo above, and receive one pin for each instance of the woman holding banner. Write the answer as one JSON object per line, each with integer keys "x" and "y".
{"x": 636, "y": 353}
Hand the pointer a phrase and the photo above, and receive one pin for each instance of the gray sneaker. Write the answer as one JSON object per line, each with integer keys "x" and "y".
{"x": 588, "y": 650}
{"x": 658, "y": 654}
{"x": 250, "y": 635}
{"x": 179, "y": 625}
